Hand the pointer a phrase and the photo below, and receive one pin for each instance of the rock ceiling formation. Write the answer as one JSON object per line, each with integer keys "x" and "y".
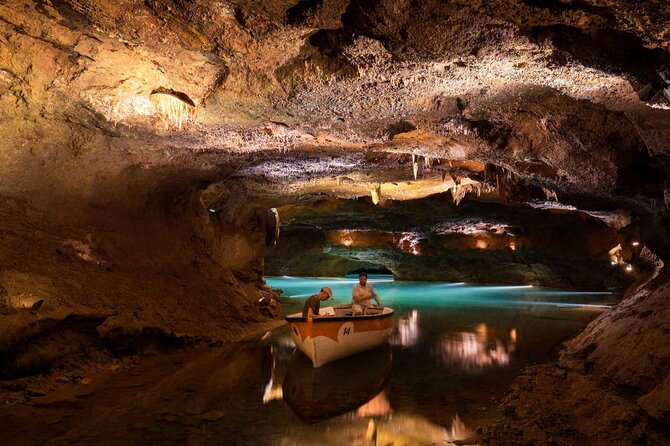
{"x": 294, "y": 97}
{"x": 142, "y": 143}
{"x": 146, "y": 140}
{"x": 568, "y": 93}
{"x": 143, "y": 133}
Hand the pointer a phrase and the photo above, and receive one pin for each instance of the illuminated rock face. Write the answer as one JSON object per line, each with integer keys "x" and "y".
{"x": 141, "y": 143}
{"x": 432, "y": 239}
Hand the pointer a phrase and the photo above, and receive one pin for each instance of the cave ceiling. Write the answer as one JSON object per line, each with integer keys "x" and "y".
{"x": 561, "y": 100}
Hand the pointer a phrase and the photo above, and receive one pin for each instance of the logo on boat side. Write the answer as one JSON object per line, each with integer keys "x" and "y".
{"x": 346, "y": 330}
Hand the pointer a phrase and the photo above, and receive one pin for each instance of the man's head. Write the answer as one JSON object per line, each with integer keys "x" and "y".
{"x": 326, "y": 293}
{"x": 363, "y": 278}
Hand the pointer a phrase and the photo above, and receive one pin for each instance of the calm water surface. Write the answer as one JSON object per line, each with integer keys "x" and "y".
{"x": 455, "y": 350}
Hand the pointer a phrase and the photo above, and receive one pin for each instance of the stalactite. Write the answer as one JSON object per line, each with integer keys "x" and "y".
{"x": 550, "y": 194}
{"x": 375, "y": 193}
{"x": 415, "y": 166}
{"x": 459, "y": 191}
{"x": 174, "y": 109}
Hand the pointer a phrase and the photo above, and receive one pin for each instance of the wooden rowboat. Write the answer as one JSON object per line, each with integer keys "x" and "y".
{"x": 326, "y": 339}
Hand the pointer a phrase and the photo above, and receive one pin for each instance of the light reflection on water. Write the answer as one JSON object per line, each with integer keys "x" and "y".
{"x": 406, "y": 330}
{"x": 466, "y": 351}
{"x": 454, "y": 351}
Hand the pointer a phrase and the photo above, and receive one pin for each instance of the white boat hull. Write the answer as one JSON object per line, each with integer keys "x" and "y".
{"x": 326, "y": 339}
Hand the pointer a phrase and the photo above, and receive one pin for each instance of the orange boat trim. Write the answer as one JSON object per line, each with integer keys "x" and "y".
{"x": 331, "y": 329}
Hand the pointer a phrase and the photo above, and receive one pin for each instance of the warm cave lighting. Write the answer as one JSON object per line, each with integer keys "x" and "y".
{"x": 22, "y": 301}
{"x": 172, "y": 108}
{"x": 615, "y": 254}
{"x": 481, "y": 244}
{"x": 629, "y": 268}
{"x": 636, "y": 243}
{"x": 346, "y": 241}
{"x": 512, "y": 246}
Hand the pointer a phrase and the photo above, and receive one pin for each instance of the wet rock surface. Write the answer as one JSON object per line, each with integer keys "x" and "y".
{"x": 597, "y": 393}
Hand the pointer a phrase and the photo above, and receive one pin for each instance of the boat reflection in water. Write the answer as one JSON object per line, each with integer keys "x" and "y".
{"x": 376, "y": 407}
{"x": 315, "y": 394}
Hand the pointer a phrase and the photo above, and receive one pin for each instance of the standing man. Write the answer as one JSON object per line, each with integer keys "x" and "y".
{"x": 313, "y": 302}
{"x": 361, "y": 295}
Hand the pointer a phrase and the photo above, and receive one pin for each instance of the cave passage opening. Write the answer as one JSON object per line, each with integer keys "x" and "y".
{"x": 477, "y": 240}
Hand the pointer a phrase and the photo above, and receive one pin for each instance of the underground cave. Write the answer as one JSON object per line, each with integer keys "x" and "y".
{"x": 178, "y": 177}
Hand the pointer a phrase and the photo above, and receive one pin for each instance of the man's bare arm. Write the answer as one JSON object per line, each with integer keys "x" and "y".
{"x": 375, "y": 297}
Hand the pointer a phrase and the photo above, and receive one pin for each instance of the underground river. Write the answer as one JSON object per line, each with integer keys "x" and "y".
{"x": 455, "y": 351}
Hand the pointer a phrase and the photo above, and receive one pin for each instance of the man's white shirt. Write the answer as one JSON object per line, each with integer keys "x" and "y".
{"x": 368, "y": 292}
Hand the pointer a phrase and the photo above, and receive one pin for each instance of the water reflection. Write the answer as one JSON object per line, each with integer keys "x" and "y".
{"x": 376, "y": 407}
{"x": 455, "y": 348}
{"x": 406, "y": 333}
{"x": 281, "y": 352}
{"x": 315, "y": 394}
{"x": 403, "y": 426}
{"x": 474, "y": 351}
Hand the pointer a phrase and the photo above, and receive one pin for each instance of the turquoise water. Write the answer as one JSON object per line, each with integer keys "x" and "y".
{"x": 454, "y": 352}
{"x": 440, "y": 295}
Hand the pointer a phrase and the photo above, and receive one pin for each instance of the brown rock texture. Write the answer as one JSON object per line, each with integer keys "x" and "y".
{"x": 142, "y": 144}
{"x": 610, "y": 384}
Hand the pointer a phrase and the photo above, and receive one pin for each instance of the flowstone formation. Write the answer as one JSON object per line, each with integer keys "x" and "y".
{"x": 142, "y": 145}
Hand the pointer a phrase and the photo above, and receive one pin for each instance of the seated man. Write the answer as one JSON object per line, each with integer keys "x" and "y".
{"x": 361, "y": 294}
{"x": 313, "y": 302}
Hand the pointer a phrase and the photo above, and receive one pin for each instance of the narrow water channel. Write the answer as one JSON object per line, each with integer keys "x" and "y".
{"x": 455, "y": 350}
